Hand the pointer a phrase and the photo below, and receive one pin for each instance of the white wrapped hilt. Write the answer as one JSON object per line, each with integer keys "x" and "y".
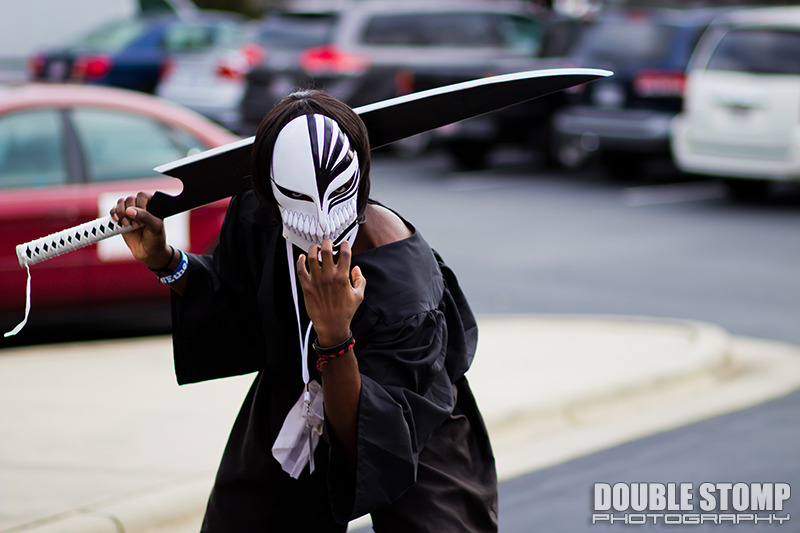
{"x": 68, "y": 240}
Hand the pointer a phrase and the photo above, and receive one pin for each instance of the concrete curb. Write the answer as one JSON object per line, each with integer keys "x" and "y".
{"x": 527, "y": 342}
{"x": 730, "y": 374}
{"x": 163, "y": 509}
{"x": 549, "y": 393}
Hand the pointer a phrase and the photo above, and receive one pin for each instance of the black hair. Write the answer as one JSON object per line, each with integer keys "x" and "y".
{"x": 300, "y": 103}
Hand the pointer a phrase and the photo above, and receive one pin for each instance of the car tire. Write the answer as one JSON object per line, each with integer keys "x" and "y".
{"x": 623, "y": 166}
{"x": 748, "y": 189}
{"x": 469, "y": 155}
{"x": 567, "y": 155}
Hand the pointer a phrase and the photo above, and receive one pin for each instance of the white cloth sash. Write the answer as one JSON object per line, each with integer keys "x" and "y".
{"x": 300, "y": 433}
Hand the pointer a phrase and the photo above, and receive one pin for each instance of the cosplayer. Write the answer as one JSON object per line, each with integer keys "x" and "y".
{"x": 358, "y": 332}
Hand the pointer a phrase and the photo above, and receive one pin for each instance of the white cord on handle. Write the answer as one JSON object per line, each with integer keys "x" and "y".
{"x": 68, "y": 240}
{"x": 21, "y": 325}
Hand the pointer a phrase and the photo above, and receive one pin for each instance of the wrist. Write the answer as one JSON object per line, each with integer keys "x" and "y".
{"x": 325, "y": 354}
{"x": 163, "y": 260}
{"x": 333, "y": 337}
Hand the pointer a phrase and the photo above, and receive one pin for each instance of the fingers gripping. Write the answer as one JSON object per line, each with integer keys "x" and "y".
{"x": 331, "y": 297}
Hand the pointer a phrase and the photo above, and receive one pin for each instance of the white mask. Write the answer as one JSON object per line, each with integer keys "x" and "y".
{"x": 315, "y": 179}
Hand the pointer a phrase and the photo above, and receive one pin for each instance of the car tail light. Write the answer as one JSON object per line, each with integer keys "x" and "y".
{"x": 253, "y": 54}
{"x": 91, "y": 67}
{"x": 236, "y": 65}
{"x": 658, "y": 83}
{"x": 404, "y": 82}
{"x": 227, "y": 71}
{"x": 328, "y": 59}
{"x": 166, "y": 68}
{"x": 36, "y": 66}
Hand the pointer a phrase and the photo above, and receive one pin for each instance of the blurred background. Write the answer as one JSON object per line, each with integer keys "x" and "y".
{"x": 669, "y": 190}
{"x": 93, "y": 98}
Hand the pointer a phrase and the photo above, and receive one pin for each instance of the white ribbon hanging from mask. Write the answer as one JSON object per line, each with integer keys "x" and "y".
{"x": 302, "y": 427}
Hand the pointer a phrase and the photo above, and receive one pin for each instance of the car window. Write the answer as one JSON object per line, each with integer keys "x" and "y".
{"x": 198, "y": 37}
{"x": 111, "y": 38}
{"x": 760, "y": 51}
{"x": 624, "y": 41}
{"x": 32, "y": 149}
{"x": 296, "y": 30}
{"x": 560, "y": 36}
{"x": 433, "y": 29}
{"x": 522, "y": 33}
{"x": 120, "y": 145}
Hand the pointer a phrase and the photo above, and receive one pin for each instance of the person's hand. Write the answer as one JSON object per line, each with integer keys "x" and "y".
{"x": 331, "y": 298}
{"x": 149, "y": 243}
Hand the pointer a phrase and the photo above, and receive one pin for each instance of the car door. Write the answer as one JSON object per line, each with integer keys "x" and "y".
{"x": 37, "y": 198}
{"x": 120, "y": 150}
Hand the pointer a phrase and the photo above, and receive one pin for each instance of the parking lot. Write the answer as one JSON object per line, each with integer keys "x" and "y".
{"x": 612, "y": 233}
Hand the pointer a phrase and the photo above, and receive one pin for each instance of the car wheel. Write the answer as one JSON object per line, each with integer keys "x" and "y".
{"x": 622, "y": 166}
{"x": 469, "y": 155}
{"x": 747, "y": 189}
{"x": 568, "y": 155}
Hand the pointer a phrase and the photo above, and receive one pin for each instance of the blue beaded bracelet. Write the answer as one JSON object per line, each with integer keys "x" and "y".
{"x": 178, "y": 273}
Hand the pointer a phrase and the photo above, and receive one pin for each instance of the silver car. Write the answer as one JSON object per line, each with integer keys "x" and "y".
{"x": 207, "y": 68}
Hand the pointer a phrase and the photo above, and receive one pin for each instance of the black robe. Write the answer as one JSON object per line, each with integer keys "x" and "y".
{"x": 424, "y": 458}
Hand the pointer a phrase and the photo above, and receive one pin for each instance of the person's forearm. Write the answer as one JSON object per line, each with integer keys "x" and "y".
{"x": 341, "y": 385}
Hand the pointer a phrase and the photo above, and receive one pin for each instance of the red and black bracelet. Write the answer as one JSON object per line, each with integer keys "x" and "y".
{"x": 326, "y": 354}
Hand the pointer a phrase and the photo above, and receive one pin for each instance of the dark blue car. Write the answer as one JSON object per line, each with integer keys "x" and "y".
{"x": 131, "y": 53}
{"x": 625, "y": 119}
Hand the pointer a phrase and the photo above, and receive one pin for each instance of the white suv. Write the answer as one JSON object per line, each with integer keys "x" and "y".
{"x": 741, "y": 115}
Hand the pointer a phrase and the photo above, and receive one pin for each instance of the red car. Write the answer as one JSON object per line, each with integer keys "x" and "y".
{"x": 67, "y": 153}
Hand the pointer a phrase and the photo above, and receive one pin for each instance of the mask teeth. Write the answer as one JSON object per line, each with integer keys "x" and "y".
{"x": 348, "y": 214}
{"x": 310, "y": 229}
{"x": 337, "y": 221}
{"x": 295, "y": 222}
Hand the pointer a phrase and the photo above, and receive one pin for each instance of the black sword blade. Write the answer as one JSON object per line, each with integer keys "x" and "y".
{"x": 224, "y": 171}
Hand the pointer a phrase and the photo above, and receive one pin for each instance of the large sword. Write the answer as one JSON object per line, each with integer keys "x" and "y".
{"x": 225, "y": 171}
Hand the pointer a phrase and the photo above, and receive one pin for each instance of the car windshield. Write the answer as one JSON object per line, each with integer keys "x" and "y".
{"x": 111, "y": 38}
{"x": 199, "y": 37}
{"x": 296, "y": 30}
{"x": 760, "y": 51}
{"x": 625, "y": 41}
{"x": 488, "y": 30}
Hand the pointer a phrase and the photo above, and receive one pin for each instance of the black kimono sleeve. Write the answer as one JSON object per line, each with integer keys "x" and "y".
{"x": 406, "y": 388}
{"x": 217, "y": 331}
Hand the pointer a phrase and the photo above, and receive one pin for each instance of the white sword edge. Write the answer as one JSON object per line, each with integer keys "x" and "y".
{"x": 500, "y": 78}
{"x": 88, "y": 233}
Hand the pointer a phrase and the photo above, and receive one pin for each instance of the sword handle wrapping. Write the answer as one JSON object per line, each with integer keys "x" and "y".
{"x": 68, "y": 240}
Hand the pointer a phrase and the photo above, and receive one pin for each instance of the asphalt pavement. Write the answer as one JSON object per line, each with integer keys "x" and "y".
{"x": 98, "y": 437}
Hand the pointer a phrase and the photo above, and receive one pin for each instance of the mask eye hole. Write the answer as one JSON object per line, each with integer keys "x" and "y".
{"x": 343, "y": 189}
{"x": 293, "y": 194}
